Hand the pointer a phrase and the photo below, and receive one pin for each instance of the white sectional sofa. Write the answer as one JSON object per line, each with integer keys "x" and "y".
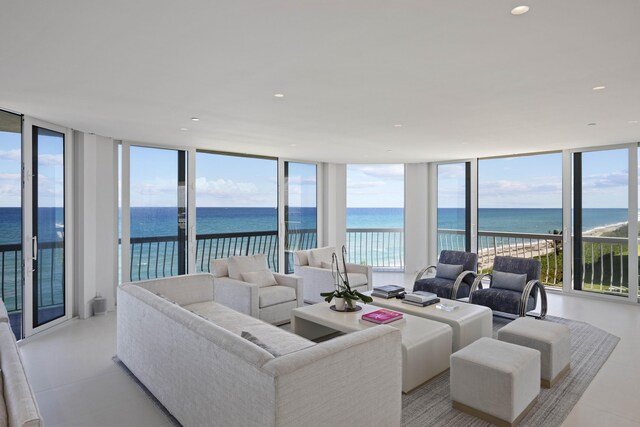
{"x": 18, "y": 406}
{"x": 187, "y": 350}
{"x": 314, "y": 266}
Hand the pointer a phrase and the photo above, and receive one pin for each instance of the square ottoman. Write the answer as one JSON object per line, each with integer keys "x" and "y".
{"x": 494, "y": 380}
{"x": 552, "y": 340}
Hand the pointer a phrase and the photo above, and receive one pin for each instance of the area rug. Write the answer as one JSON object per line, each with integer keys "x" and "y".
{"x": 430, "y": 404}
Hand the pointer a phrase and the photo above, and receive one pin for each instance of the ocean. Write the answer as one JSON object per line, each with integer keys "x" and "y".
{"x": 147, "y": 222}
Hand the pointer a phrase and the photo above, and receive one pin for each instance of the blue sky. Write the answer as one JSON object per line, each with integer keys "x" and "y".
{"x": 375, "y": 186}
{"x": 229, "y": 181}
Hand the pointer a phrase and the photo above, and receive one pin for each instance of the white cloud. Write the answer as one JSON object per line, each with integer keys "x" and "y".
{"x": 365, "y": 184}
{"x": 224, "y": 187}
{"x": 51, "y": 159}
{"x": 10, "y": 155}
{"x": 393, "y": 172}
{"x": 10, "y": 177}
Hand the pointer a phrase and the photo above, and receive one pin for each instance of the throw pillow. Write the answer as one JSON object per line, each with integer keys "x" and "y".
{"x": 317, "y": 256}
{"x": 219, "y": 268}
{"x": 166, "y": 298}
{"x": 249, "y": 337}
{"x": 261, "y": 278}
{"x": 244, "y": 264}
{"x": 509, "y": 281}
{"x": 324, "y": 264}
{"x": 448, "y": 271}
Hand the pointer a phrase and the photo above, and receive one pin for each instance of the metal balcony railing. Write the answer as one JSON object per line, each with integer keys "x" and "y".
{"x": 604, "y": 259}
{"x": 381, "y": 248}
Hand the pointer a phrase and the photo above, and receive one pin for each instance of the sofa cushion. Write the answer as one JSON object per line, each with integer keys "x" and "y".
{"x": 357, "y": 279}
{"x": 510, "y": 281}
{"x": 441, "y": 287}
{"x": 273, "y": 295}
{"x": 219, "y": 268}
{"x": 502, "y": 300}
{"x": 278, "y": 339}
{"x": 244, "y": 264}
{"x": 261, "y": 278}
{"x": 249, "y": 337}
{"x": 448, "y": 271}
{"x": 317, "y": 256}
{"x": 182, "y": 290}
{"x": 329, "y": 266}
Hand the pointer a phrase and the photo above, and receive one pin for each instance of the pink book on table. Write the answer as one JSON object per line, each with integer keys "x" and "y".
{"x": 382, "y": 316}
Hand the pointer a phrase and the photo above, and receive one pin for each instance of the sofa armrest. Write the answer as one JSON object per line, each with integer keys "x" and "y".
{"x": 362, "y": 269}
{"x": 342, "y": 370}
{"x": 295, "y": 282}
{"x": 238, "y": 295}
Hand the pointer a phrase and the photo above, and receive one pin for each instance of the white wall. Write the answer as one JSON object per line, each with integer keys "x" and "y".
{"x": 416, "y": 217}
{"x": 334, "y": 207}
{"x": 96, "y": 195}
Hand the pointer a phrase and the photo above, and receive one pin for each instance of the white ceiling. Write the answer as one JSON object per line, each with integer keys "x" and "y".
{"x": 465, "y": 78}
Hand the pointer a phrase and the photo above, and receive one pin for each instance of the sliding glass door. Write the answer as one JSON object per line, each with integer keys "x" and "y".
{"x": 600, "y": 221}
{"x": 158, "y": 213}
{"x": 11, "y": 218}
{"x": 300, "y": 209}
{"x": 454, "y": 207}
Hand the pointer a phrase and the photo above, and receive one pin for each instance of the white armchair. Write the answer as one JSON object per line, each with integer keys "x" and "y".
{"x": 314, "y": 266}
{"x": 245, "y": 284}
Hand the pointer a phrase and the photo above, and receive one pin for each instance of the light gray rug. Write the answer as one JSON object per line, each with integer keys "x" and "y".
{"x": 430, "y": 405}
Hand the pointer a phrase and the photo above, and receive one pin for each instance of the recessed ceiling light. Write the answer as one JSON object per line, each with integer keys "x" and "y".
{"x": 279, "y": 95}
{"x": 632, "y": 122}
{"x": 293, "y": 145}
{"x": 591, "y": 124}
{"x": 520, "y": 10}
{"x": 397, "y": 125}
{"x": 388, "y": 151}
{"x": 184, "y": 129}
{"x": 195, "y": 119}
{"x": 599, "y": 87}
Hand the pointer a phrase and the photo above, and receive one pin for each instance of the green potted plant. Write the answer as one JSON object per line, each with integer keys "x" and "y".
{"x": 345, "y": 297}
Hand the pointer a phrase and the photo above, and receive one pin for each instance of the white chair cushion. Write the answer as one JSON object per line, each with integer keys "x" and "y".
{"x": 317, "y": 256}
{"x": 245, "y": 264}
{"x": 272, "y": 295}
{"x": 261, "y": 278}
{"x": 219, "y": 268}
{"x": 328, "y": 266}
{"x": 357, "y": 279}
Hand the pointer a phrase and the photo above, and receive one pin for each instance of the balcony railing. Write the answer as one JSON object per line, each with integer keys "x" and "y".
{"x": 605, "y": 260}
{"x": 381, "y": 248}
{"x": 50, "y": 258}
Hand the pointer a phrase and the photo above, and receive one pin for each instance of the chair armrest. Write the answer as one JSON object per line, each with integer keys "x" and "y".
{"x": 423, "y": 272}
{"x": 238, "y": 295}
{"x": 526, "y": 293}
{"x": 362, "y": 269}
{"x": 477, "y": 284}
{"x": 458, "y": 282}
{"x": 295, "y": 282}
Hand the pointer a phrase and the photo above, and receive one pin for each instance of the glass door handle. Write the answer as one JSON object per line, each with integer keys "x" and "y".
{"x": 34, "y": 248}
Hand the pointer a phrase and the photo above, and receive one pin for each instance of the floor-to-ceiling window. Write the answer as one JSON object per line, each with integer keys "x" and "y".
{"x": 11, "y": 217}
{"x": 600, "y": 221}
{"x": 454, "y": 197}
{"x": 300, "y": 209}
{"x": 375, "y": 215}
{"x": 520, "y": 211}
{"x": 236, "y": 207}
{"x": 158, "y": 214}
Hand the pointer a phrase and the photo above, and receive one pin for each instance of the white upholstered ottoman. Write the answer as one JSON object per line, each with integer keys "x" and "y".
{"x": 494, "y": 380}
{"x": 552, "y": 340}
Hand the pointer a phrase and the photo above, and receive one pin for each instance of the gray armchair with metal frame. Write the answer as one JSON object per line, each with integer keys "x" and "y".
{"x": 455, "y": 274}
{"x": 513, "y": 288}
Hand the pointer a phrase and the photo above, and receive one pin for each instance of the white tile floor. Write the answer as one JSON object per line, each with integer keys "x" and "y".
{"x": 77, "y": 384}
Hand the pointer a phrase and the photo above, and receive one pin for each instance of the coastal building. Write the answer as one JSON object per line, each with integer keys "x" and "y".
{"x": 143, "y": 140}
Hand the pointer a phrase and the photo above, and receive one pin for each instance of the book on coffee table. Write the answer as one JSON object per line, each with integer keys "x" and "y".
{"x": 420, "y": 297}
{"x": 387, "y": 291}
{"x": 421, "y": 304}
{"x": 382, "y": 316}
